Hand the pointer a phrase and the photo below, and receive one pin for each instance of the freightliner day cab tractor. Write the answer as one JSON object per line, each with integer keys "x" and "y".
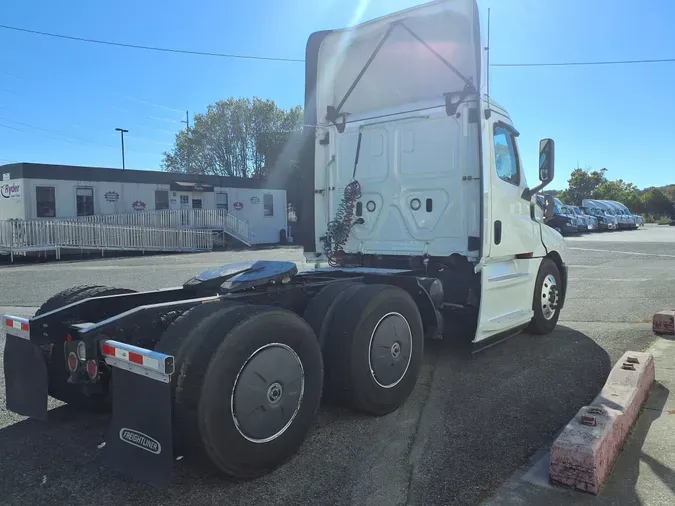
{"x": 419, "y": 221}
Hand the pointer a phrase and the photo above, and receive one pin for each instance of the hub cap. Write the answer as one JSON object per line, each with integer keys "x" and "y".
{"x": 267, "y": 393}
{"x": 549, "y": 297}
{"x": 390, "y": 350}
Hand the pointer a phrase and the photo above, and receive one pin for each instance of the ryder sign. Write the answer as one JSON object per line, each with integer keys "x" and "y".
{"x": 10, "y": 190}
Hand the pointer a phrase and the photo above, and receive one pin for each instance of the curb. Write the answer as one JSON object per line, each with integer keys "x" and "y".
{"x": 583, "y": 454}
{"x": 663, "y": 323}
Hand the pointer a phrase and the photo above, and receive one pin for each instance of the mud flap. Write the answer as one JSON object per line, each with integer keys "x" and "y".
{"x": 139, "y": 443}
{"x": 26, "y": 381}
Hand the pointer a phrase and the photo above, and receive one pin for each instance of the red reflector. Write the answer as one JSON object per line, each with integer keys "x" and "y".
{"x": 69, "y": 337}
{"x": 108, "y": 350}
{"x": 135, "y": 358}
{"x": 73, "y": 362}
{"x": 524, "y": 255}
{"x": 8, "y": 322}
{"x": 92, "y": 368}
{"x": 588, "y": 420}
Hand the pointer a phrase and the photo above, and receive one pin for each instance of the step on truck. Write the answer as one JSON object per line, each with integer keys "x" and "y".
{"x": 416, "y": 221}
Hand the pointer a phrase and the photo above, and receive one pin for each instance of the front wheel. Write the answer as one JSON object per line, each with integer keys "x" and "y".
{"x": 547, "y": 296}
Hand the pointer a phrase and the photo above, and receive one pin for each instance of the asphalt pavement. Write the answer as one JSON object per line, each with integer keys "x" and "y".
{"x": 471, "y": 422}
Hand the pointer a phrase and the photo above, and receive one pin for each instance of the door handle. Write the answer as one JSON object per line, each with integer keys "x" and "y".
{"x": 498, "y": 232}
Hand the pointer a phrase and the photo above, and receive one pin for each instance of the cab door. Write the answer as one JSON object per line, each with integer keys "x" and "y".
{"x": 508, "y": 267}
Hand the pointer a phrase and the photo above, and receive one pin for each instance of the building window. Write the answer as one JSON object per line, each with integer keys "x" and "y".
{"x": 161, "y": 200}
{"x": 184, "y": 200}
{"x": 85, "y": 201}
{"x": 196, "y": 203}
{"x": 268, "y": 205}
{"x": 506, "y": 156}
{"x": 45, "y": 197}
{"x": 222, "y": 200}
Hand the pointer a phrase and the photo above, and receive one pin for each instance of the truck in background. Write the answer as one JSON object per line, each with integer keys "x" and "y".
{"x": 422, "y": 226}
{"x": 614, "y": 222}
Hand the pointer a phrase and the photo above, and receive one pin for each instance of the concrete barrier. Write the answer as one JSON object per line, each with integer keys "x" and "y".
{"x": 664, "y": 323}
{"x": 583, "y": 454}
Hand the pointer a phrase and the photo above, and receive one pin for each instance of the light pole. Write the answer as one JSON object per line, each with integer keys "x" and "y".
{"x": 122, "y": 131}
{"x": 189, "y": 140}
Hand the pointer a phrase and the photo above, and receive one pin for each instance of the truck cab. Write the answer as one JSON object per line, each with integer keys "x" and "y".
{"x": 607, "y": 220}
{"x": 582, "y": 223}
{"x": 591, "y": 221}
{"x": 632, "y": 220}
{"x": 426, "y": 174}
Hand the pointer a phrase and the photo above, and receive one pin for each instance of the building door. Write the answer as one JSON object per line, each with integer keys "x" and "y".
{"x": 184, "y": 206}
{"x": 222, "y": 200}
{"x": 84, "y": 201}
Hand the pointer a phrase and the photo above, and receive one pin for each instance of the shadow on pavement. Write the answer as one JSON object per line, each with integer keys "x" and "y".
{"x": 622, "y": 484}
{"x": 488, "y": 414}
{"x": 471, "y": 421}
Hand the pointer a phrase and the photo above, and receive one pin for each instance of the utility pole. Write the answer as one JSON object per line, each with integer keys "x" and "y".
{"x": 122, "y": 131}
{"x": 189, "y": 140}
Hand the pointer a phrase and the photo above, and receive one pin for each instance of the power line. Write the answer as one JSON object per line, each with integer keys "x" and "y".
{"x": 586, "y": 63}
{"x": 298, "y": 60}
{"x": 55, "y": 132}
{"x": 12, "y": 128}
{"x": 150, "y": 48}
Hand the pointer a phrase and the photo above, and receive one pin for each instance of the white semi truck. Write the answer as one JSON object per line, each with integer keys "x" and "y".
{"x": 417, "y": 223}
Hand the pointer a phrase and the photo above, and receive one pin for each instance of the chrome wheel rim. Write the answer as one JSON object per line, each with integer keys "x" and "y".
{"x": 549, "y": 297}
{"x": 390, "y": 350}
{"x": 267, "y": 393}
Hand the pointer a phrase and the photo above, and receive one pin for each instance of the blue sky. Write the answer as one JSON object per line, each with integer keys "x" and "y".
{"x": 60, "y": 100}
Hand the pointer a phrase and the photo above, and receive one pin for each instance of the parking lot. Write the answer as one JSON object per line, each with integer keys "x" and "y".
{"x": 469, "y": 424}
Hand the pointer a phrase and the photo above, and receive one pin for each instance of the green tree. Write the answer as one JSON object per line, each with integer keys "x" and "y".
{"x": 582, "y": 184}
{"x": 656, "y": 203}
{"x": 626, "y": 193}
{"x": 237, "y": 137}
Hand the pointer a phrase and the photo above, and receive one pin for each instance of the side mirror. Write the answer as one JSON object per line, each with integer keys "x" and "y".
{"x": 549, "y": 207}
{"x": 546, "y": 167}
{"x": 546, "y": 160}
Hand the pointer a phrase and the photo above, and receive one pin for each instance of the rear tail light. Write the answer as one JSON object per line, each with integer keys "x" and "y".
{"x": 73, "y": 361}
{"x": 92, "y": 368}
{"x": 81, "y": 350}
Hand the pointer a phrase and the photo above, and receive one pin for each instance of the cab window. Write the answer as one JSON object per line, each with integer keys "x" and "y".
{"x": 506, "y": 156}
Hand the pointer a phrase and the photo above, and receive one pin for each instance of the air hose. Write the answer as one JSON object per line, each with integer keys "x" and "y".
{"x": 340, "y": 227}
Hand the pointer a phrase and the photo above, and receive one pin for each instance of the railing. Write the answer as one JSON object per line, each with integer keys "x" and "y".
{"x": 212, "y": 219}
{"x": 24, "y": 236}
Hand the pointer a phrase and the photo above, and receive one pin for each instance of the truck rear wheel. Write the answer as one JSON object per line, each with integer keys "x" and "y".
{"x": 252, "y": 390}
{"x": 374, "y": 349}
{"x": 319, "y": 311}
{"x": 546, "y": 298}
{"x": 57, "y": 372}
{"x": 180, "y": 340}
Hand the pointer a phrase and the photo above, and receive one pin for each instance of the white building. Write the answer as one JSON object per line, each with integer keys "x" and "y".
{"x": 31, "y": 191}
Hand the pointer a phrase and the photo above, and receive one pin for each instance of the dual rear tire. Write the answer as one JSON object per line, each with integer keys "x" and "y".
{"x": 373, "y": 340}
{"x": 247, "y": 386}
{"x": 249, "y": 379}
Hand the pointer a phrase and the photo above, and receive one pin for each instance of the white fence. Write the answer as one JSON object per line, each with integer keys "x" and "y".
{"x": 20, "y": 237}
{"x": 212, "y": 219}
